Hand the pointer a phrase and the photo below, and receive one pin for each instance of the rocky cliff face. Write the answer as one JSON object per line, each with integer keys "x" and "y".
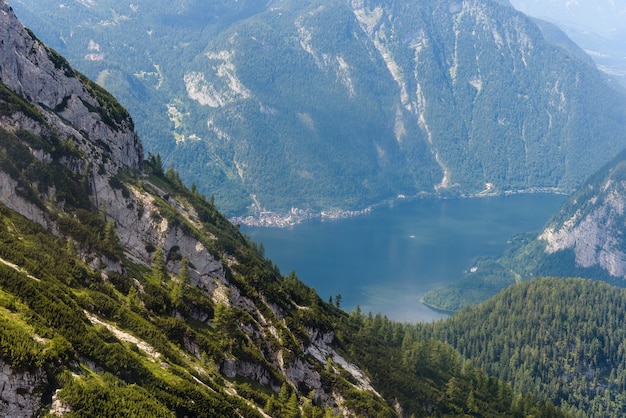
{"x": 21, "y": 392}
{"x": 72, "y": 109}
{"x": 72, "y": 112}
{"x": 41, "y": 76}
{"x": 76, "y": 133}
{"x": 591, "y": 224}
{"x": 68, "y": 107}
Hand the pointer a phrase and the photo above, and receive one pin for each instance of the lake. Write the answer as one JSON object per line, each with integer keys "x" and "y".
{"x": 387, "y": 260}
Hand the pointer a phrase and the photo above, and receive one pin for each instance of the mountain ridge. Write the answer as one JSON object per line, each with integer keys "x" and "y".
{"x": 123, "y": 293}
{"x": 338, "y": 106}
{"x": 584, "y": 238}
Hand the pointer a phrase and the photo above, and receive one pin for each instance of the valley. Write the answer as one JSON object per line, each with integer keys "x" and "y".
{"x": 125, "y": 291}
{"x": 387, "y": 260}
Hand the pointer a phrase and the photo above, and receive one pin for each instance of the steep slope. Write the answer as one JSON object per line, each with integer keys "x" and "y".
{"x": 587, "y": 233}
{"x": 136, "y": 286}
{"x": 340, "y": 105}
{"x": 122, "y": 293}
{"x": 598, "y": 27}
{"x": 585, "y": 238}
{"x": 561, "y": 339}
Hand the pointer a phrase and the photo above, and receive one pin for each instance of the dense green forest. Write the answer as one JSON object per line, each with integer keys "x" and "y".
{"x": 562, "y": 339}
{"x": 123, "y": 293}
{"x": 421, "y": 372}
{"x": 47, "y": 291}
{"x": 341, "y": 105}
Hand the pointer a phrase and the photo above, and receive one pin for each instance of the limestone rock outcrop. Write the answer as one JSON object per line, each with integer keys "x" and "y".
{"x": 41, "y": 76}
{"x": 591, "y": 223}
{"x": 20, "y": 391}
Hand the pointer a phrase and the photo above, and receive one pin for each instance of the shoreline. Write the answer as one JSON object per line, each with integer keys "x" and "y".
{"x": 270, "y": 219}
{"x": 436, "y": 309}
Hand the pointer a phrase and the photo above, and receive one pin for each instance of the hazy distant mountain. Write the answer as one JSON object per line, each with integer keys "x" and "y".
{"x": 341, "y": 104}
{"x": 604, "y": 17}
{"x": 597, "y": 26}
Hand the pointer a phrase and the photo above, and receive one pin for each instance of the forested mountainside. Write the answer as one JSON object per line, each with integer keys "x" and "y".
{"x": 560, "y": 338}
{"x": 324, "y": 105}
{"x": 125, "y": 294}
{"x": 585, "y": 238}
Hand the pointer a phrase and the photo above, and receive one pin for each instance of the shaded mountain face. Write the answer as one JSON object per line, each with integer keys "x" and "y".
{"x": 584, "y": 238}
{"x": 343, "y": 104}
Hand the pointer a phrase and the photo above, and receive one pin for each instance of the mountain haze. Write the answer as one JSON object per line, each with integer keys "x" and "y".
{"x": 125, "y": 294}
{"x": 340, "y": 105}
{"x": 599, "y": 27}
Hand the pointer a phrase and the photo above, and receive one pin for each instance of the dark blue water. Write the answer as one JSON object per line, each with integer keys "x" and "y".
{"x": 387, "y": 260}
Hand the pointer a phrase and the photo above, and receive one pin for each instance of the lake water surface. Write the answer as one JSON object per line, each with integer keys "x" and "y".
{"x": 387, "y": 260}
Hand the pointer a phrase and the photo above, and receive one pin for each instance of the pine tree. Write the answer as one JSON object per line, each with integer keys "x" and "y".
{"x": 159, "y": 267}
{"x": 271, "y": 408}
{"x": 472, "y": 407}
{"x": 292, "y": 409}
{"x": 132, "y": 299}
{"x": 182, "y": 279}
{"x": 283, "y": 395}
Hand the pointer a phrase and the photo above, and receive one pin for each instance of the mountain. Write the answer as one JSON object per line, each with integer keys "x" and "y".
{"x": 327, "y": 106}
{"x": 586, "y": 235}
{"x": 133, "y": 286}
{"x": 584, "y": 238}
{"x": 603, "y": 17}
{"x": 560, "y": 338}
{"x": 125, "y": 294}
{"x": 598, "y": 27}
